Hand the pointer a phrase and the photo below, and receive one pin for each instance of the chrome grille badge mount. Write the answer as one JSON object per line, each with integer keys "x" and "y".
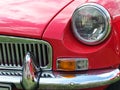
{"x": 31, "y": 73}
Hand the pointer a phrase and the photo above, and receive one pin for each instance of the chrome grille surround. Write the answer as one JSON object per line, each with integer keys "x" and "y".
{"x": 13, "y": 50}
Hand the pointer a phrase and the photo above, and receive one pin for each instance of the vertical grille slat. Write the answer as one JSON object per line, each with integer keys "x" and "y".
{"x": 1, "y": 55}
{"x": 4, "y": 54}
{"x": 17, "y": 55}
{"x": 29, "y": 46}
{"x": 44, "y": 57}
{"x": 13, "y": 51}
{"x": 34, "y": 50}
{"x": 36, "y": 53}
{"x": 46, "y": 50}
{"x": 12, "y": 54}
{"x": 39, "y": 55}
{"x": 21, "y": 53}
{"x": 8, "y": 53}
{"x": 25, "y": 49}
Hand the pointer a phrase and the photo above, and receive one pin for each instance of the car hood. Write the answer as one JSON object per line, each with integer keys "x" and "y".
{"x": 28, "y": 17}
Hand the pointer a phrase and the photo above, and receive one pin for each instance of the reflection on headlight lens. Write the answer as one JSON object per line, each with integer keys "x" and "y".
{"x": 91, "y": 24}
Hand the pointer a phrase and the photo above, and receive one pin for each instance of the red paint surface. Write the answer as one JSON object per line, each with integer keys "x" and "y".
{"x": 28, "y": 18}
{"x": 50, "y": 20}
{"x": 59, "y": 34}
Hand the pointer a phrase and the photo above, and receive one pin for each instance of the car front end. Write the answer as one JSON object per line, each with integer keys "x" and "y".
{"x": 59, "y": 45}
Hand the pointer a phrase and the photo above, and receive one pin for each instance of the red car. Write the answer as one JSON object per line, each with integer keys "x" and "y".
{"x": 59, "y": 44}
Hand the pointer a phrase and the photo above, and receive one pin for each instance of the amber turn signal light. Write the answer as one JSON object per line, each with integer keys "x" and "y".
{"x": 66, "y": 65}
{"x": 72, "y": 64}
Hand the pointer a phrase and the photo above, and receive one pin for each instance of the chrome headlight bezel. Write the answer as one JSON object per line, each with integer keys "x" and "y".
{"x": 105, "y": 14}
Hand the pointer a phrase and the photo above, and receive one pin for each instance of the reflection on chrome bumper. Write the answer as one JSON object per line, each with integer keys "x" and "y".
{"x": 80, "y": 81}
{"x": 54, "y": 80}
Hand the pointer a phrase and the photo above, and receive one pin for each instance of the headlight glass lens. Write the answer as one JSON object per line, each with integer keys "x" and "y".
{"x": 91, "y": 23}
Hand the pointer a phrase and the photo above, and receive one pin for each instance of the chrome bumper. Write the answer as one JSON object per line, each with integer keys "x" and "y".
{"x": 33, "y": 78}
{"x": 63, "y": 81}
{"x": 80, "y": 81}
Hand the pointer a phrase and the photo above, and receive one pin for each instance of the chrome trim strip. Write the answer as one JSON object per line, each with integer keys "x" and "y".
{"x": 89, "y": 79}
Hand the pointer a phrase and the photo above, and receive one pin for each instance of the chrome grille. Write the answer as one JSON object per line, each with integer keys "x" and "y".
{"x": 10, "y": 73}
{"x": 19, "y": 73}
{"x": 13, "y": 50}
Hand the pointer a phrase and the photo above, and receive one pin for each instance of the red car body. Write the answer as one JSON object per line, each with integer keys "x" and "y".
{"x": 50, "y": 20}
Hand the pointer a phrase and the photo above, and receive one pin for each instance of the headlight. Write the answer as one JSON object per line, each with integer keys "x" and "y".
{"x": 91, "y": 23}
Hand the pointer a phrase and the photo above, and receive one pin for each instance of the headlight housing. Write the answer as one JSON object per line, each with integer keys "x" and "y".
{"x": 91, "y": 23}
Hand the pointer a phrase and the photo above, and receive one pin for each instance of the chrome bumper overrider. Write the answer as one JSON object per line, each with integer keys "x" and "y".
{"x": 33, "y": 78}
